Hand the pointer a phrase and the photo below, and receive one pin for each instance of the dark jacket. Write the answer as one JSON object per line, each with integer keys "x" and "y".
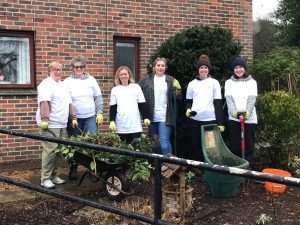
{"x": 147, "y": 85}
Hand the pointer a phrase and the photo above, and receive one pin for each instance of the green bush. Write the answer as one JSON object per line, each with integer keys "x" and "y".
{"x": 182, "y": 52}
{"x": 278, "y": 70}
{"x": 278, "y": 127}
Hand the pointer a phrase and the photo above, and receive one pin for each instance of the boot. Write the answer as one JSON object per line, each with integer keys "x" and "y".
{"x": 73, "y": 171}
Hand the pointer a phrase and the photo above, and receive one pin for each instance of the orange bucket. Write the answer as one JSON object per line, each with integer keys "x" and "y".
{"x": 275, "y": 187}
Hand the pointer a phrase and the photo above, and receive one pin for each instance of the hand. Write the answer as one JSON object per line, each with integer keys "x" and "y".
{"x": 74, "y": 123}
{"x": 221, "y": 128}
{"x": 147, "y": 122}
{"x": 247, "y": 115}
{"x": 112, "y": 126}
{"x": 99, "y": 119}
{"x": 234, "y": 114}
{"x": 190, "y": 113}
{"x": 44, "y": 125}
{"x": 176, "y": 84}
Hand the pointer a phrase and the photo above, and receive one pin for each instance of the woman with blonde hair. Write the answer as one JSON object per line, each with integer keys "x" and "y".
{"x": 126, "y": 103}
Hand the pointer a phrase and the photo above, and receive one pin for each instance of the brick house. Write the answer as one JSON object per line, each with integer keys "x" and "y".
{"x": 34, "y": 33}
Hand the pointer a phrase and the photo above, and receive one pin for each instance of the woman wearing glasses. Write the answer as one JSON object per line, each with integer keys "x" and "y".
{"x": 87, "y": 100}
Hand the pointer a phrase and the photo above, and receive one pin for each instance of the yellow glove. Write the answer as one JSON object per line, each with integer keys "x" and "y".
{"x": 44, "y": 125}
{"x": 147, "y": 122}
{"x": 221, "y": 128}
{"x": 247, "y": 115}
{"x": 188, "y": 113}
{"x": 112, "y": 126}
{"x": 234, "y": 114}
{"x": 99, "y": 119}
{"x": 176, "y": 84}
{"x": 74, "y": 123}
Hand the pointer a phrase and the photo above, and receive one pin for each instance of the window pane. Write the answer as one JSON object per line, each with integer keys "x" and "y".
{"x": 126, "y": 56}
{"x": 14, "y": 60}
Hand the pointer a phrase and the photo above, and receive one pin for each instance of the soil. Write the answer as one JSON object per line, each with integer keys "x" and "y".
{"x": 245, "y": 208}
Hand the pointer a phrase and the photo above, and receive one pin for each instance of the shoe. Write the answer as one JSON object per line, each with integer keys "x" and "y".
{"x": 48, "y": 184}
{"x": 73, "y": 173}
{"x": 57, "y": 180}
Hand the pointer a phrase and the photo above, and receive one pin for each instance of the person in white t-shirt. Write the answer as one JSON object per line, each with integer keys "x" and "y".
{"x": 160, "y": 91}
{"x": 126, "y": 102}
{"x": 241, "y": 94}
{"x": 203, "y": 104}
{"x": 54, "y": 108}
{"x": 87, "y": 100}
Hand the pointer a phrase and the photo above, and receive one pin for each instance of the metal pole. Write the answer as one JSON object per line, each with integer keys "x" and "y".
{"x": 157, "y": 191}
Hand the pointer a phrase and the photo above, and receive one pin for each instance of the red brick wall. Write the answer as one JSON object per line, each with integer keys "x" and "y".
{"x": 66, "y": 28}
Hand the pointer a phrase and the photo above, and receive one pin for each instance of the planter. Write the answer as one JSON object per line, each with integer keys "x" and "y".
{"x": 171, "y": 199}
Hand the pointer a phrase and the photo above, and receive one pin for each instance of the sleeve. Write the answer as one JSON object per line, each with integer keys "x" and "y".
{"x": 143, "y": 107}
{"x": 45, "y": 110}
{"x": 139, "y": 93}
{"x": 218, "y": 105}
{"x": 252, "y": 97}
{"x": 113, "y": 112}
{"x": 217, "y": 102}
{"x": 189, "y": 92}
{"x": 99, "y": 103}
{"x": 217, "y": 90}
{"x": 229, "y": 100}
{"x": 72, "y": 111}
{"x": 230, "y": 104}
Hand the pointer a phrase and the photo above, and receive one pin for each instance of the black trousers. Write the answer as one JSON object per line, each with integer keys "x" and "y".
{"x": 128, "y": 138}
{"x": 195, "y": 134}
{"x": 235, "y": 139}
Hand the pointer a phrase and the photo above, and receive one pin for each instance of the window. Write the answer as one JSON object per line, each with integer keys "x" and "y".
{"x": 16, "y": 59}
{"x": 126, "y": 53}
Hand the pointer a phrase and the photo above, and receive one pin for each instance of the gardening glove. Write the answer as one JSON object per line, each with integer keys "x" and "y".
{"x": 74, "y": 123}
{"x": 234, "y": 114}
{"x": 190, "y": 113}
{"x": 221, "y": 128}
{"x": 247, "y": 115}
{"x": 176, "y": 84}
{"x": 99, "y": 119}
{"x": 112, "y": 126}
{"x": 44, "y": 125}
{"x": 147, "y": 122}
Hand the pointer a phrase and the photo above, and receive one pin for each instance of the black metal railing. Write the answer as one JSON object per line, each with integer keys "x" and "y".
{"x": 157, "y": 159}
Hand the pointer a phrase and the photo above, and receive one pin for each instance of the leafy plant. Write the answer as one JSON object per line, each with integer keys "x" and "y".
{"x": 264, "y": 219}
{"x": 139, "y": 169}
{"x": 294, "y": 164}
{"x": 278, "y": 70}
{"x": 278, "y": 126}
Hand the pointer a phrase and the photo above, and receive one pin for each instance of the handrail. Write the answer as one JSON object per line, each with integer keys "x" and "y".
{"x": 158, "y": 159}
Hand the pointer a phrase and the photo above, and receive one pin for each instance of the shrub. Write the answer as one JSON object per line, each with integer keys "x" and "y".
{"x": 278, "y": 70}
{"x": 139, "y": 168}
{"x": 278, "y": 126}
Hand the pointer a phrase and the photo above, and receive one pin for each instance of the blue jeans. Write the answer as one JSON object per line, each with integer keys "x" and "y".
{"x": 163, "y": 132}
{"x": 86, "y": 125}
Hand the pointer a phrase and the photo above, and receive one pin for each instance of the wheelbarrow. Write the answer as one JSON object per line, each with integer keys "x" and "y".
{"x": 112, "y": 175}
{"x": 216, "y": 152}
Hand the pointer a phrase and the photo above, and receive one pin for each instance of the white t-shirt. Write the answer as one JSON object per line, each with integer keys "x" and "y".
{"x": 59, "y": 98}
{"x": 240, "y": 91}
{"x": 203, "y": 93}
{"x": 128, "y": 119}
{"x": 160, "y": 99}
{"x": 83, "y": 92}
